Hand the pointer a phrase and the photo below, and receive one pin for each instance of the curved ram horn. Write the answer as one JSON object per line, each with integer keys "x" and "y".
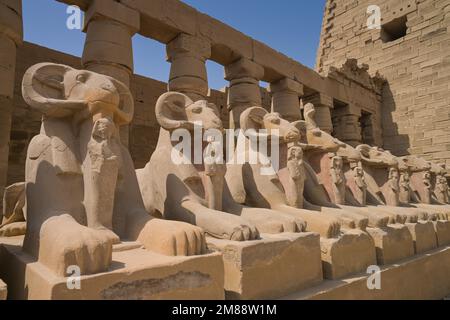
{"x": 364, "y": 149}
{"x": 170, "y": 107}
{"x": 252, "y": 118}
{"x": 125, "y": 112}
{"x": 309, "y": 115}
{"x": 43, "y": 90}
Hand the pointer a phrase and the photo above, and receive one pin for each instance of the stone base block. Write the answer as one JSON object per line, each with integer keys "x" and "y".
{"x": 135, "y": 273}
{"x": 271, "y": 267}
{"x": 392, "y": 243}
{"x": 3, "y": 290}
{"x": 442, "y": 229}
{"x": 423, "y": 276}
{"x": 351, "y": 253}
{"x": 424, "y": 236}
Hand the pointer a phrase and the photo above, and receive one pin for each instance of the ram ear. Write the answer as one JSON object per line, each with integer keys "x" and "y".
{"x": 253, "y": 118}
{"x": 125, "y": 112}
{"x": 171, "y": 110}
{"x": 364, "y": 149}
{"x": 43, "y": 90}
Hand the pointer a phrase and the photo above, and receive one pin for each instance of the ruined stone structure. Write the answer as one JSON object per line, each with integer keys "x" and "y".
{"x": 411, "y": 52}
{"x": 329, "y": 204}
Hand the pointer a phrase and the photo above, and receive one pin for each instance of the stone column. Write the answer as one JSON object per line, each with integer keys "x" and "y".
{"x": 187, "y": 55}
{"x": 323, "y": 105}
{"x": 109, "y": 27}
{"x": 244, "y": 91}
{"x": 11, "y": 35}
{"x": 347, "y": 126}
{"x": 285, "y": 98}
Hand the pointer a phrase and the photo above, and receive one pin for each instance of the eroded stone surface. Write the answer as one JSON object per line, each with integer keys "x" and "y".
{"x": 295, "y": 259}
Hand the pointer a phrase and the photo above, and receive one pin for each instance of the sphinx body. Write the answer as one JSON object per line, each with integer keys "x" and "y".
{"x": 198, "y": 193}
{"x": 81, "y": 190}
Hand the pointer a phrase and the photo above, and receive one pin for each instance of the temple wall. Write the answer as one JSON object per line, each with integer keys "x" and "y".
{"x": 415, "y": 108}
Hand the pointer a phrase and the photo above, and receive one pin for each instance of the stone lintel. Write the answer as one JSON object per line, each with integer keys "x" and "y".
{"x": 319, "y": 99}
{"x": 286, "y": 85}
{"x": 187, "y": 45}
{"x": 244, "y": 68}
{"x": 112, "y": 10}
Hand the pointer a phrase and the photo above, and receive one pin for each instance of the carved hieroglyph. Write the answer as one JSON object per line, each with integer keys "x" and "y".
{"x": 197, "y": 193}
{"x": 81, "y": 189}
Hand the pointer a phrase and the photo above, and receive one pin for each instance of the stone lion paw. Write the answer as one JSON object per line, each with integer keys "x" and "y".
{"x": 244, "y": 233}
{"x": 64, "y": 243}
{"x": 173, "y": 238}
{"x": 236, "y": 228}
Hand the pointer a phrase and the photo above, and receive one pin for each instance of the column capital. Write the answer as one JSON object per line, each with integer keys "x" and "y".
{"x": 286, "y": 85}
{"x": 187, "y": 45}
{"x": 115, "y": 11}
{"x": 11, "y": 20}
{"x": 243, "y": 68}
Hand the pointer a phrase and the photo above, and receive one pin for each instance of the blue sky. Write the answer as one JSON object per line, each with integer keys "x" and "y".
{"x": 289, "y": 26}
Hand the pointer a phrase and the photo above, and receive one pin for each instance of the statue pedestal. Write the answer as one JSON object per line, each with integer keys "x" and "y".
{"x": 442, "y": 229}
{"x": 421, "y": 277}
{"x": 392, "y": 243}
{"x": 3, "y": 290}
{"x": 351, "y": 253}
{"x": 424, "y": 236}
{"x": 135, "y": 273}
{"x": 272, "y": 267}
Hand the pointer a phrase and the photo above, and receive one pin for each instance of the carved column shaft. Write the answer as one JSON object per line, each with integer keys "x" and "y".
{"x": 244, "y": 91}
{"x": 187, "y": 55}
{"x": 323, "y": 105}
{"x": 285, "y": 98}
{"x": 109, "y": 28}
{"x": 11, "y": 35}
{"x": 346, "y": 124}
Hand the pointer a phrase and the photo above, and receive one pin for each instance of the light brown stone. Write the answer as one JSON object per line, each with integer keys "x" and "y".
{"x": 3, "y": 290}
{"x": 392, "y": 243}
{"x": 294, "y": 258}
{"x": 424, "y": 236}
{"x": 351, "y": 253}
{"x": 399, "y": 281}
{"x": 135, "y": 274}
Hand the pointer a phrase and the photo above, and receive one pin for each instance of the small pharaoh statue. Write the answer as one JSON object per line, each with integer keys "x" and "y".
{"x": 427, "y": 187}
{"x": 360, "y": 182}
{"x": 215, "y": 170}
{"x": 297, "y": 174}
{"x": 338, "y": 179}
{"x": 441, "y": 189}
{"x": 394, "y": 188}
{"x": 405, "y": 187}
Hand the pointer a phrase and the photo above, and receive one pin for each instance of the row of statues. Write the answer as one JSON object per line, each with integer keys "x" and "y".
{"x": 82, "y": 194}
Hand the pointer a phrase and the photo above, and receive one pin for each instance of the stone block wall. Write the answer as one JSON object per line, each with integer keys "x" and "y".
{"x": 415, "y": 114}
